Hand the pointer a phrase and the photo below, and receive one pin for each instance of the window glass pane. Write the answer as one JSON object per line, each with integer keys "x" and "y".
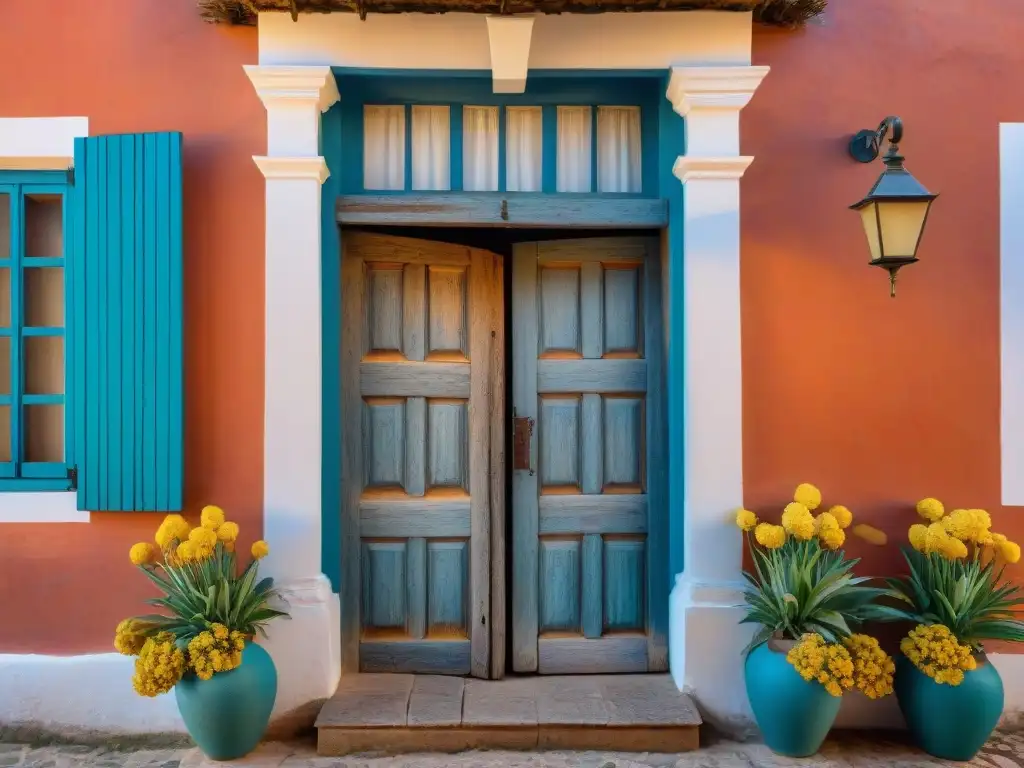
{"x": 5, "y": 365}
{"x": 431, "y": 148}
{"x": 44, "y": 226}
{"x": 44, "y": 433}
{"x": 618, "y": 149}
{"x": 44, "y": 297}
{"x": 5, "y": 297}
{"x": 480, "y": 149}
{"x": 5, "y": 225}
{"x": 5, "y": 433}
{"x": 44, "y": 365}
{"x": 524, "y": 142}
{"x": 383, "y": 147}
{"x": 574, "y": 148}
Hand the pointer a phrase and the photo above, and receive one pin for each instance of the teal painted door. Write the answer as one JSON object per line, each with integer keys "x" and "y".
{"x": 588, "y": 513}
{"x": 420, "y": 390}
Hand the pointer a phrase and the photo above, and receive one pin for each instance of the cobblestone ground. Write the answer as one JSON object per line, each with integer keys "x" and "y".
{"x": 1005, "y": 750}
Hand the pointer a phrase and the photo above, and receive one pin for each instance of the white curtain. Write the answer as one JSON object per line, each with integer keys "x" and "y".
{"x": 431, "y": 148}
{"x": 574, "y": 149}
{"x": 480, "y": 149}
{"x": 524, "y": 140}
{"x": 383, "y": 147}
{"x": 618, "y": 149}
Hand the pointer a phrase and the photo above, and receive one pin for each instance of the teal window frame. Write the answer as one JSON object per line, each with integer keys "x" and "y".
{"x": 455, "y": 90}
{"x": 18, "y": 474}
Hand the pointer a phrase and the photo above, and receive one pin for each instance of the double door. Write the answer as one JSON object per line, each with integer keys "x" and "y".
{"x": 424, "y": 530}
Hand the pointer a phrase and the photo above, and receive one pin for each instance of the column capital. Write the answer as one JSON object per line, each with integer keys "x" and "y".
{"x": 730, "y": 88}
{"x": 688, "y": 167}
{"x": 297, "y": 84}
{"x": 314, "y": 168}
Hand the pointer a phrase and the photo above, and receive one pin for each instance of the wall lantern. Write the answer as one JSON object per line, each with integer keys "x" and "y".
{"x": 896, "y": 209}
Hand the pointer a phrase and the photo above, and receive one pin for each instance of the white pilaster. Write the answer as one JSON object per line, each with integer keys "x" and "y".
{"x": 306, "y": 649}
{"x": 705, "y": 638}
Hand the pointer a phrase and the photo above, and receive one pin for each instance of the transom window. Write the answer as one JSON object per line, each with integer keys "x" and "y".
{"x": 565, "y": 134}
{"x": 32, "y": 331}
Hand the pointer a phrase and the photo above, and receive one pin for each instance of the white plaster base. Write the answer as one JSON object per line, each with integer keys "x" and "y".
{"x": 93, "y": 693}
{"x": 706, "y": 641}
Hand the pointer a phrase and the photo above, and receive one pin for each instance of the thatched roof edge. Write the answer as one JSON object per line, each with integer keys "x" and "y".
{"x": 786, "y": 13}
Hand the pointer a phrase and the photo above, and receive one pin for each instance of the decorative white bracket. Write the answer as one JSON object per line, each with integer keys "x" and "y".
{"x": 509, "y": 38}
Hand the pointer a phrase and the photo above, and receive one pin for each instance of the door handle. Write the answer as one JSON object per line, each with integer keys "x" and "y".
{"x": 522, "y": 436}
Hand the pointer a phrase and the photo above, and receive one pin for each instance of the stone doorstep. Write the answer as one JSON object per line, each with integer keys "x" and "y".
{"x": 400, "y": 713}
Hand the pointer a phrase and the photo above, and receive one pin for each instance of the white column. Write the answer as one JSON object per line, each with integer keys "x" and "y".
{"x": 306, "y": 649}
{"x": 705, "y": 638}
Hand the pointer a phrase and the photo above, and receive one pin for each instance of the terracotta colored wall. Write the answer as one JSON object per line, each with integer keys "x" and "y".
{"x": 878, "y": 401}
{"x": 144, "y": 65}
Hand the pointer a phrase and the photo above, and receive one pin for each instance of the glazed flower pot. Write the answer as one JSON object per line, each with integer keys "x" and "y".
{"x": 228, "y": 714}
{"x": 951, "y": 722}
{"x": 794, "y": 715}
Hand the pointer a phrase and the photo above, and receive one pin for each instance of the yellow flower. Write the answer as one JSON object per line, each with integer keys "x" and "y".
{"x": 826, "y": 521}
{"x": 746, "y": 520}
{"x": 203, "y": 538}
{"x": 870, "y": 534}
{"x": 918, "y": 536}
{"x": 186, "y": 552}
{"x": 1010, "y": 551}
{"x": 936, "y": 538}
{"x": 829, "y": 664}
{"x": 842, "y": 514}
{"x": 798, "y": 521}
{"x": 142, "y": 553}
{"x": 808, "y": 495}
{"x": 260, "y": 549}
{"x": 833, "y": 539}
{"x": 227, "y": 533}
{"x": 953, "y": 549}
{"x": 931, "y": 509}
{"x": 766, "y": 534}
{"x": 215, "y": 650}
{"x": 935, "y": 650}
{"x": 983, "y": 519}
{"x": 174, "y": 527}
{"x": 212, "y": 517}
{"x": 873, "y": 668}
{"x": 159, "y": 667}
{"x": 127, "y": 638}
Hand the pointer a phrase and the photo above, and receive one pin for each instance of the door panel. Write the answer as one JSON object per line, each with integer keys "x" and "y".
{"x": 419, "y": 389}
{"x": 587, "y": 341}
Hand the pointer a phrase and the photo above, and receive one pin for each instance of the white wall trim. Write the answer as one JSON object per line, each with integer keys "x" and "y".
{"x": 705, "y": 637}
{"x": 41, "y": 507}
{"x": 564, "y": 41}
{"x": 40, "y": 143}
{"x": 1011, "y": 309}
{"x": 509, "y": 38}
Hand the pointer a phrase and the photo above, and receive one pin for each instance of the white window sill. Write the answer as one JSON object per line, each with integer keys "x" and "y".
{"x": 41, "y": 507}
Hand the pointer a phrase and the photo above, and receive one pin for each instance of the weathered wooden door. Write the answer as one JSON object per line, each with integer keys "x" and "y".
{"x": 588, "y": 512}
{"x": 421, "y": 384}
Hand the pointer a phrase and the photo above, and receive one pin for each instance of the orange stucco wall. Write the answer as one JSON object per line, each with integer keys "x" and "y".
{"x": 145, "y": 65}
{"x": 879, "y": 401}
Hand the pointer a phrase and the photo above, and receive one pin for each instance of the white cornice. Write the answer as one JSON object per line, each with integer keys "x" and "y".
{"x": 276, "y": 83}
{"x": 713, "y": 87}
{"x": 293, "y": 167}
{"x": 689, "y": 167}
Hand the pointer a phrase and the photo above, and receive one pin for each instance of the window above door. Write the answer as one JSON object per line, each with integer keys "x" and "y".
{"x": 566, "y": 134}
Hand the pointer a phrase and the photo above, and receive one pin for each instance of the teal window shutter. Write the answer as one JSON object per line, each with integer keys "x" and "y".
{"x": 126, "y": 280}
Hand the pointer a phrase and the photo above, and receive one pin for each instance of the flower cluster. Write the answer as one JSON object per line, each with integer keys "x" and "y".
{"x": 934, "y": 650}
{"x": 180, "y": 543}
{"x": 128, "y": 638}
{"x": 216, "y": 650}
{"x": 159, "y": 666}
{"x": 799, "y": 523}
{"x": 830, "y": 664}
{"x": 955, "y": 534}
{"x": 873, "y": 668}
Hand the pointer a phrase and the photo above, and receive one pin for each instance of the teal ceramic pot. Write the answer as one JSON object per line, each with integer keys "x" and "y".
{"x": 794, "y": 716}
{"x": 947, "y": 721}
{"x": 228, "y": 714}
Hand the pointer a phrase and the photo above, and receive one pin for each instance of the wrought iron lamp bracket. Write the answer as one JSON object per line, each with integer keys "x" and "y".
{"x": 866, "y": 144}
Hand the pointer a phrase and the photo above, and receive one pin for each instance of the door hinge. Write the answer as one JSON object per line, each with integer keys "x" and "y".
{"x": 73, "y": 478}
{"x": 71, "y": 176}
